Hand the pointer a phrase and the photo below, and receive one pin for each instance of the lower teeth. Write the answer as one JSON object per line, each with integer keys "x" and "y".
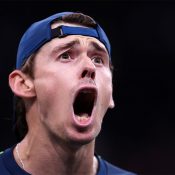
{"x": 83, "y": 117}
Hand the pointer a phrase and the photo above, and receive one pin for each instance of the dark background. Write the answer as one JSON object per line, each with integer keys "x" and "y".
{"x": 138, "y": 134}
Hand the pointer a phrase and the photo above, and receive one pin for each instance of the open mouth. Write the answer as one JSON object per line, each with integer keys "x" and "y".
{"x": 84, "y": 103}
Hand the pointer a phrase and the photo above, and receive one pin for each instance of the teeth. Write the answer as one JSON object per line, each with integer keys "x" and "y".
{"x": 83, "y": 117}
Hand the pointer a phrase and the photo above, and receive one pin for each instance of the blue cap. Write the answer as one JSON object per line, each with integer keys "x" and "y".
{"x": 40, "y": 32}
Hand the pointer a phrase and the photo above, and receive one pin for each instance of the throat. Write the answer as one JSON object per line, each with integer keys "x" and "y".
{"x": 79, "y": 162}
{"x": 83, "y": 166}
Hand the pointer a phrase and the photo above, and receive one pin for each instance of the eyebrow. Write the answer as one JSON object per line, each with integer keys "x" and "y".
{"x": 98, "y": 47}
{"x": 65, "y": 46}
{"x": 77, "y": 42}
{"x": 69, "y": 44}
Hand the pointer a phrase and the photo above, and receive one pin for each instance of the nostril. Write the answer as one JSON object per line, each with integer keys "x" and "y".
{"x": 85, "y": 72}
{"x": 93, "y": 75}
{"x": 88, "y": 73}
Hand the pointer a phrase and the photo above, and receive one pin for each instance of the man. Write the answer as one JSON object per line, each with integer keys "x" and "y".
{"x": 63, "y": 88}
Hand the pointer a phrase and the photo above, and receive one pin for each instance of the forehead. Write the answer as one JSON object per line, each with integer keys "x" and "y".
{"x": 79, "y": 40}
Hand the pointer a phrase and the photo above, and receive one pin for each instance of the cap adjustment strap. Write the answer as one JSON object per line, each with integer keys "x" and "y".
{"x": 63, "y": 31}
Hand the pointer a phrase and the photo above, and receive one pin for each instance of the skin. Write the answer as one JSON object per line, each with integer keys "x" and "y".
{"x": 55, "y": 138}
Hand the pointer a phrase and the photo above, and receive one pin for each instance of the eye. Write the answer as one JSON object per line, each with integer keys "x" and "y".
{"x": 65, "y": 56}
{"x": 97, "y": 60}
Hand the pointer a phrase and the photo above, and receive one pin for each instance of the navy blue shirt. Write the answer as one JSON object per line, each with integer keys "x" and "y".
{"x": 8, "y": 166}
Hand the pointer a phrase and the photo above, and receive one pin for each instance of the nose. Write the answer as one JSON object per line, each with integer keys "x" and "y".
{"x": 88, "y": 70}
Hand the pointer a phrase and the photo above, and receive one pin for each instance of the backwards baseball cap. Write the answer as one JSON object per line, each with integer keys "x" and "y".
{"x": 40, "y": 32}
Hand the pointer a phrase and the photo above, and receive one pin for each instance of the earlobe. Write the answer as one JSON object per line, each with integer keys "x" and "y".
{"x": 111, "y": 104}
{"x": 21, "y": 85}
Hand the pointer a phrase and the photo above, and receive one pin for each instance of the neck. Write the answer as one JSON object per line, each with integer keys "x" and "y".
{"x": 40, "y": 158}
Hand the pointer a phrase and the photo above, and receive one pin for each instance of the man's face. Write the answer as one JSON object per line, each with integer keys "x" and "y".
{"x": 73, "y": 85}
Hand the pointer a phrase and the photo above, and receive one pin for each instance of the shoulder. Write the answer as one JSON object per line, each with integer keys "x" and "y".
{"x": 8, "y": 165}
{"x": 3, "y": 168}
{"x": 111, "y": 169}
{"x": 114, "y": 169}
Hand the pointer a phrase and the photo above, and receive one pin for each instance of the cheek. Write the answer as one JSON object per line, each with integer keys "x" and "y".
{"x": 45, "y": 96}
{"x": 105, "y": 92}
{"x": 105, "y": 87}
{"x": 50, "y": 94}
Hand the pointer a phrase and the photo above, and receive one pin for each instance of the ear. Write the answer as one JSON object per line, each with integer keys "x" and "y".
{"x": 111, "y": 103}
{"x": 21, "y": 84}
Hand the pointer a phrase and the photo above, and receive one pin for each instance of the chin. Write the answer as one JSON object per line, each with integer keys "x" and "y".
{"x": 80, "y": 143}
{"x": 81, "y": 139}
